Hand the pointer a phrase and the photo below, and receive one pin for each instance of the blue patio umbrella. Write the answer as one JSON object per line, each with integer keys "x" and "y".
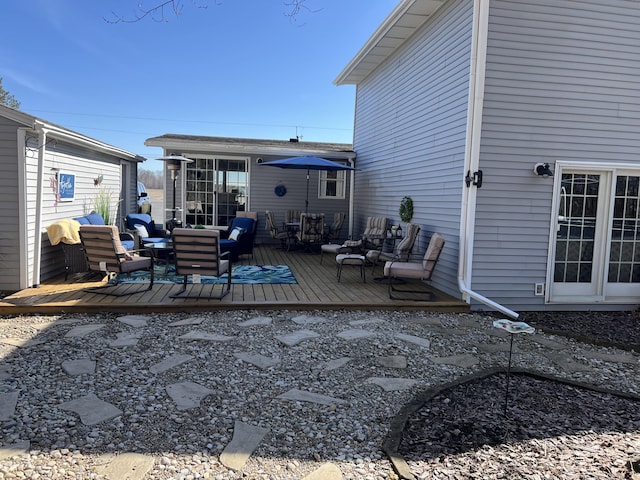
{"x": 308, "y": 163}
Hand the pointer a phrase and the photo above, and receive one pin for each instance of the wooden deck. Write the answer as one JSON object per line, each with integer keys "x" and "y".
{"x": 317, "y": 288}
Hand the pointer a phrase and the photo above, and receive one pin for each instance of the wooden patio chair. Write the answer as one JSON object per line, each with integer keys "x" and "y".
{"x": 104, "y": 253}
{"x": 197, "y": 252}
{"x": 401, "y": 252}
{"x": 412, "y": 270}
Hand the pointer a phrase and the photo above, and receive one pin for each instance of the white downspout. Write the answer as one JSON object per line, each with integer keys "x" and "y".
{"x": 37, "y": 244}
{"x": 23, "y": 234}
{"x": 352, "y": 184}
{"x": 472, "y": 154}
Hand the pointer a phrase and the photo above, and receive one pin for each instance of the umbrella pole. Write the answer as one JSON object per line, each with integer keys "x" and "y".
{"x": 306, "y": 202}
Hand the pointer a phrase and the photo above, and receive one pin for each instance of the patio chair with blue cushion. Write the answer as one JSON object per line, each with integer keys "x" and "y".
{"x": 104, "y": 253}
{"x": 239, "y": 236}
{"x": 144, "y": 229}
{"x": 197, "y": 252}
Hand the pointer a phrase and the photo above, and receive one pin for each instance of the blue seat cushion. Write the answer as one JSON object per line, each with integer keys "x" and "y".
{"x": 95, "y": 218}
{"x": 242, "y": 222}
{"x": 143, "y": 219}
{"x": 127, "y": 244}
{"x": 226, "y": 245}
{"x": 156, "y": 240}
{"x": 82, "y": 220}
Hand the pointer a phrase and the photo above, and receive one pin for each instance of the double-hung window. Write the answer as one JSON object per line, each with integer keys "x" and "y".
{"x": 332, "y": 184}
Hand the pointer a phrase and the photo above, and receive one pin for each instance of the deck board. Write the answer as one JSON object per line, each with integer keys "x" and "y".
{"x": 317, "y": 288}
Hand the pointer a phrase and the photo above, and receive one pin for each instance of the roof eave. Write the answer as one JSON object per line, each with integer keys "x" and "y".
{"x": 407, "y": 17}
{"x": 183, "y": 145}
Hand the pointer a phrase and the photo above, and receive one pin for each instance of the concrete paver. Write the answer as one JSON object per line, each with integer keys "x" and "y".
{"x": 246, "y": 439}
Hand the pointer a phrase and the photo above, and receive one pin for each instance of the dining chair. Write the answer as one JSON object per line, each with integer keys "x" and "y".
{"x": 311, "y": 229}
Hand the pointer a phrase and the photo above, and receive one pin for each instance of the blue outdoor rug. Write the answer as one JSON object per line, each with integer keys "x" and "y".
{"x": 242, "y": 274}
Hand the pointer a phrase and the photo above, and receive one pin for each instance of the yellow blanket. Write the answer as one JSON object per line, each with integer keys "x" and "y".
{"x": 65, "y": 231}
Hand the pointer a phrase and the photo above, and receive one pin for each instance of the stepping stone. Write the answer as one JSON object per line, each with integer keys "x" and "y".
{"x": 308, "y": 320}
{"x": 545, "y": 342}
{"x": 613, "y": 357}
{"x": 390, "y": 384}
{"x": 328, "y": 471}
{"x": 187, "y": 394}
{"x": 294, "y": 338}
{"x": 8, "y": 402}
{"x": 79, "y": 366}
{"x": 170, "y": 362}
{"x": 431, "y": 321}
{"x": 84, "y": 330}
{"x": 15, "y": 449}
{"x": 209, "y": 337}
{"x": 421, "y": 342}
{"x": 246, "y": 439}
{"x": 393, "y": 361}
{"x": 495, "y": 347}
{"x": 135, "y": 321}
{"x": 369, "y": 321}
{"x": 566, "y": 363}
{"x": 256, "y": 321}
{"x": 302, "y": 396}
{"x": 21, "y": 342}
{"x": 258, "y": 360}
{"x": 91, "y": 409}
{"x": 463, "y": 360}
{"x": 187, "y": 321}
{"x": 335, "y": 364}
{"x": 132, "y": 466}
{"x": 125, "y": 339}
{"x": 355, "y": 334}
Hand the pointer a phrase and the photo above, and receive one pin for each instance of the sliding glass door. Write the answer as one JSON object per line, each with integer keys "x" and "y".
{"x": 216, "y": 189}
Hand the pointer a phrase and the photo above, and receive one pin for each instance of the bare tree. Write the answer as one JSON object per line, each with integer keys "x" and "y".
{"x": 160, "y": 11}
{"x": 7, "y": 99}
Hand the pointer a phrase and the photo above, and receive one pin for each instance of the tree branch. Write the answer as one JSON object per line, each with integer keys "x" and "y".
{"x": 157, "y": 13}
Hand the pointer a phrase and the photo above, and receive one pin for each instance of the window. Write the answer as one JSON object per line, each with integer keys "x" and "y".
{"x": 332, "y": 184}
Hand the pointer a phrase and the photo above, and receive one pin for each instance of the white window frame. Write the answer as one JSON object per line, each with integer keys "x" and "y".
{"x": 340, "y": 181}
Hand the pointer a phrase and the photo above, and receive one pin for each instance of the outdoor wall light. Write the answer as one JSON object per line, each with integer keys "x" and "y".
{"x": 542, "y": 170}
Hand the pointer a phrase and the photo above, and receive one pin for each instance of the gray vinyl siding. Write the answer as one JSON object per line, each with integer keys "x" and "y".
{"x": 561, "y": 84}
{"x": 261, "y": 195}
{"x": 9, "y": 215}
{"x": 262, "y": 182}
{"x": 410, "y": 134}
{"x": 87, "y": 166}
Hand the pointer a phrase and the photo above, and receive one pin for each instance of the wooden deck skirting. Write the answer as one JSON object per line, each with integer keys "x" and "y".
{"x": 317, "y": 288}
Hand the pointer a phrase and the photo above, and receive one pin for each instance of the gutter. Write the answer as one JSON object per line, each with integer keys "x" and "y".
{"x": 472, "y": 157}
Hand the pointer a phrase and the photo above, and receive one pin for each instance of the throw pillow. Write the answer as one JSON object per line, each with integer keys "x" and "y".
{"x": 236, "y": 232}
{"x": 142, "y": 231}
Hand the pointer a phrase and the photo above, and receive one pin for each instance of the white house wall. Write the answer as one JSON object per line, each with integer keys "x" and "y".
{"x": 561, "y": 84}
{"x": 410, "y": 132}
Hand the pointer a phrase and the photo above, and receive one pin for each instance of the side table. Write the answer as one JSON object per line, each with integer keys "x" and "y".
{"x": 161, "y": 252}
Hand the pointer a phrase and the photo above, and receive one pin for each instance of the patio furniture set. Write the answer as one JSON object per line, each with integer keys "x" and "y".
{"x": 197, "y": 252}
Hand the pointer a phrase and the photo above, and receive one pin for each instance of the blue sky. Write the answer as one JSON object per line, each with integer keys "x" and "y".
{"x": 237, "y": 68}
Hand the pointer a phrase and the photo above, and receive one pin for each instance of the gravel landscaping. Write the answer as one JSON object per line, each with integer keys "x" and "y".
{"x": 327, "y": 390}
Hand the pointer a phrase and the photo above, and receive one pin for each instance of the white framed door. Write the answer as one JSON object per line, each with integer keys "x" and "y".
{"x": 595, "y": 247}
